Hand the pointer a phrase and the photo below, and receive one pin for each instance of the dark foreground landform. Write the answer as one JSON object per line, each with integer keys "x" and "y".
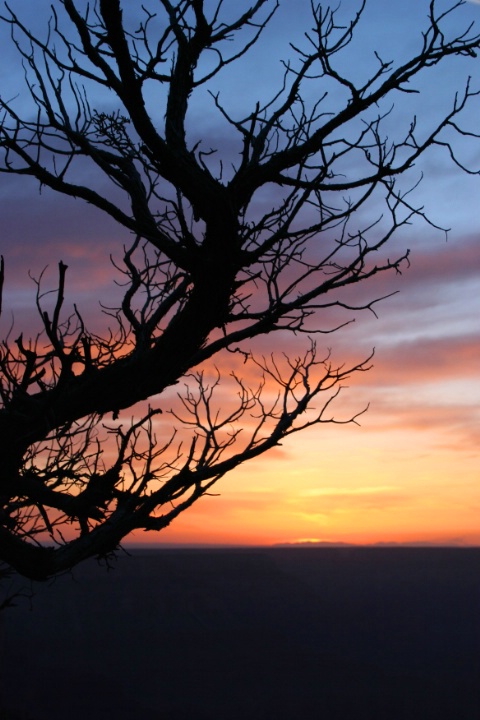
{"x": 250, "y": 634}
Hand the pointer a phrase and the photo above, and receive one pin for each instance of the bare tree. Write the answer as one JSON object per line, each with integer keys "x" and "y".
{"x": 210, "y": 267}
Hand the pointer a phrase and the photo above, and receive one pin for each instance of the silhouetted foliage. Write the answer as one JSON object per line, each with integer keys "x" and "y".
{"x": 219, "y": 255}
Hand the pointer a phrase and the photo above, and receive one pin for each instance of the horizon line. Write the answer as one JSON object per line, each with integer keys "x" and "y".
{"x": 285, "y": 545}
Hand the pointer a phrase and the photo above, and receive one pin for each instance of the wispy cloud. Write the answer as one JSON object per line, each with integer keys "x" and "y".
{"x": 350, "y": 491}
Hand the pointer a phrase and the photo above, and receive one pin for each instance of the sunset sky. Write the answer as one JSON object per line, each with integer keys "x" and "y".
{"x": 410, "y": 471}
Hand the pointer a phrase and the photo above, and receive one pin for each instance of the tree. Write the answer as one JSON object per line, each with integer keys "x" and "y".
{"x": 209, "y": 269}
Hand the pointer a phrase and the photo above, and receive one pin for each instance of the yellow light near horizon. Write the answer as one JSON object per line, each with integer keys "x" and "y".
{"x": 341, "y": 487}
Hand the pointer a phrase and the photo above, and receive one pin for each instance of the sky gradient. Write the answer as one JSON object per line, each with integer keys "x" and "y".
{"x": 410, "y": 471}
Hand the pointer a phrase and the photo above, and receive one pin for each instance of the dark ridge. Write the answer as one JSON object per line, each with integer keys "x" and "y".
{"x": 351, "y": 633}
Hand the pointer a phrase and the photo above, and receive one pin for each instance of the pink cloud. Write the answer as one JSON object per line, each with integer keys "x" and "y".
{"x": 426, "y": 360}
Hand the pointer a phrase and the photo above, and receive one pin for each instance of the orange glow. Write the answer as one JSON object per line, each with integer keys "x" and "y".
{"x": 341, "y": 485}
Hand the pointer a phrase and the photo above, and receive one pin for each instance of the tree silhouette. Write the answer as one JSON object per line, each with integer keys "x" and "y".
{"x": 219, "y": 255}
